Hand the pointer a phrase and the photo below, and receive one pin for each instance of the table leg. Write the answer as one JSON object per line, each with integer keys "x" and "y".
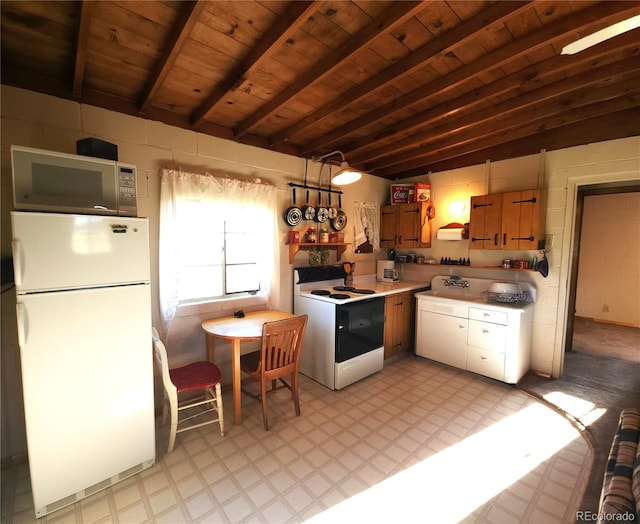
{"x": 235, "y": 369}
{"x": 210, "y": 346}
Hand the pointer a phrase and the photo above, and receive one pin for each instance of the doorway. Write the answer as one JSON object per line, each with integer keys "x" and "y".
{"x": 587, "y": 330}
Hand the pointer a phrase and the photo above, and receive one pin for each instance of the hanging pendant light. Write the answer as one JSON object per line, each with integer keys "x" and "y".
{"x": 346, "y": 174}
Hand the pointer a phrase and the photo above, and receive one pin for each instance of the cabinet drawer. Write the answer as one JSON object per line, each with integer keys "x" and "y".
{"x": 485, "y": 362}
{"x": 488, "y": 315}
{"x": 487, "y": 336}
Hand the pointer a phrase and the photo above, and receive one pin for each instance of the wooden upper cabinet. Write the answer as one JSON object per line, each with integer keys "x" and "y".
{"x": 405, "y": 225}
{"x": 509, "y": 221}
{"x": 522, "y": 219}
{"x": 485, "y": 222}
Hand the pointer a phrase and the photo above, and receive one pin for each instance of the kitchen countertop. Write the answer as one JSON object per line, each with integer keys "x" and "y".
{"x": 389, "y": 288}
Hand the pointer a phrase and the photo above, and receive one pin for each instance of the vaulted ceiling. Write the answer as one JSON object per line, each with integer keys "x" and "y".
{"x": 401, "y": 88}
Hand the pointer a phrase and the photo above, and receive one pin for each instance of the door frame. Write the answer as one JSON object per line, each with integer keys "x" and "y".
{"x": 577, "y": 188}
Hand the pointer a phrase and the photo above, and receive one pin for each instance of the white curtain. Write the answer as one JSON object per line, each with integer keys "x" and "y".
{"x": 367, "y": 225}
{"x": 220, "y": 196}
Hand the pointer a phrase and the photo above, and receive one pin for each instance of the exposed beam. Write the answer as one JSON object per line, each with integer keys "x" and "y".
{"x": 609, "y": 127}
{"x": 366, "y": 149}
{"x": 294, "y": 17}
{"x": 540, "y": 118}
{"x": 518, "y": 48}
{"x": 81, "y": 47}
{"x": 396, "y": 152}
{"x": 181, "y": 31}
{"x": 465, "y": 32}
{"x": 399, "y": 13}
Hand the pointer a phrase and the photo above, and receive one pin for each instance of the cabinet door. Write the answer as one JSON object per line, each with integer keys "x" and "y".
{"x": 408, "y": 225}
{"x": 442, "y": 338}
{"x": 388, "y": 225}
{"x": 521, "y": 219}
{"x": 485, "y": 224}
{"x": 399, "y": 323}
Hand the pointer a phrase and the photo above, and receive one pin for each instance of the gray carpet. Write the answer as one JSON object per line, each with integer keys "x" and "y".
{"x": 605, "y": 382}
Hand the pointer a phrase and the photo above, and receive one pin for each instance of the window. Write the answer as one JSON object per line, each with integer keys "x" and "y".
{"x": 218, "y": 239}
{"x": 218, "y": 261}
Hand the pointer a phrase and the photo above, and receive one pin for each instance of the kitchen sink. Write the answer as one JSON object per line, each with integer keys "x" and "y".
{"x": 454, "y": 294}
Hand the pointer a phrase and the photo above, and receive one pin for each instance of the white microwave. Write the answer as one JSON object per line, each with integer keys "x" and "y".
{"x": 65, "y": 183}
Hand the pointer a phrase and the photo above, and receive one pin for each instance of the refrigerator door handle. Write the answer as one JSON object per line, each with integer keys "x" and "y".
{"x": 22, "y": 321}
{"x": 17, "y": 262}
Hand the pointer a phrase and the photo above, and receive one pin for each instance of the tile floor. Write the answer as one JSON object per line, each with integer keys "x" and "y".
{"x": 416, "y": 442}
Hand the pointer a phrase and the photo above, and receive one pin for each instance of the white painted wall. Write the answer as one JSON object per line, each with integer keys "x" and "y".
{"x": 36, "y": 120}
{"x": 608, "y": 286}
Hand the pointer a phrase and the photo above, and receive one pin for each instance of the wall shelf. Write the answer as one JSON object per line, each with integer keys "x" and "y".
{"x": 469, "y": 267}
{"x": 340, "y": 248}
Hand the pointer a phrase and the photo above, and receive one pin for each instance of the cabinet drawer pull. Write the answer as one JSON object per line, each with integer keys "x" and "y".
{"x": 461, "y": 326}
{"x": 495, "y": 239}
{"x": 485, "y": 331}
{"x": 484, "y": 358}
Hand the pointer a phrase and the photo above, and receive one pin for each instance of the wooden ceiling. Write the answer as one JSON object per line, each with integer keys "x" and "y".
{"x": 401, "y": 88}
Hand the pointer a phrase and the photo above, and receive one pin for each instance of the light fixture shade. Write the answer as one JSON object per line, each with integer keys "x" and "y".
{"x": 346, "y": 175}
{"x": 602, "y": 35}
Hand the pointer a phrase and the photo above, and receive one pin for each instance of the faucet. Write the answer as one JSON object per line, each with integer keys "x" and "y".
{"x": 456, "y": 282}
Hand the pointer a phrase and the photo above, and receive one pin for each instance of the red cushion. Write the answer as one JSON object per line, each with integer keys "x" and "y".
{"x": 198, "y": 375}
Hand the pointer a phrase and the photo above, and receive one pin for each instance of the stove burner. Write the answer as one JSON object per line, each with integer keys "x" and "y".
{"x": 343, "y": 288}
{"x": 363, "y": 291}
{"x": 339, "y": 296}
{"x": 321, "y": 292}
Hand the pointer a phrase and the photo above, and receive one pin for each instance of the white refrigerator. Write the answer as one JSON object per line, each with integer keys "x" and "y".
{"x": 84, "y": 324}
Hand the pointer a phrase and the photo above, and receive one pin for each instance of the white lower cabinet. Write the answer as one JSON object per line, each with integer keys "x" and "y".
{"x": 493, "y": 341}
{"x": 442, "y": 338}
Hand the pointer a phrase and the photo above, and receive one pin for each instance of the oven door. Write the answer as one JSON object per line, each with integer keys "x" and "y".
{"x": 360, "y": 327}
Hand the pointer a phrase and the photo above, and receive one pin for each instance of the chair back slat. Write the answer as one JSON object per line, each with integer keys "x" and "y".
{"x": 282, "y": 341}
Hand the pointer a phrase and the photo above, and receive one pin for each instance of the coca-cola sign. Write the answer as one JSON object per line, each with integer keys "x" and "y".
{"x": 400, "y": 193}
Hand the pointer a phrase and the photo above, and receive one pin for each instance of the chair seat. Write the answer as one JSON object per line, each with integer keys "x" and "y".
{"x": 198, "y": 375}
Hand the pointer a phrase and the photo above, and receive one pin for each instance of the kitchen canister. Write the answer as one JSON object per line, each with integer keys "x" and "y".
{"x": 311, "y": 235}
{"x": 324, "y": 236}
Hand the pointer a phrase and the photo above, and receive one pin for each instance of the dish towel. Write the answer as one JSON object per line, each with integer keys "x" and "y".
{"x": 366, "y": 225}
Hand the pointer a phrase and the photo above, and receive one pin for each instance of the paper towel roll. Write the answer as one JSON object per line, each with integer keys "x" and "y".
{"x": 450, "y": 234}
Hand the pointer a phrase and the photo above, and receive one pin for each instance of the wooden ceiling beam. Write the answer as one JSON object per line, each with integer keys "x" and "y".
{"x": 81, "y": 47}
{"x": 294, "y": 17}
{"x": 520, "y": 83}
{"x": 186, "y": 20}
{"x": 588, "y": 104}
{"x": 543, "y": 36}
{"x": 399, "y": 13}
{"x": 460, "y": 34}
{"x": 396, "y": 152}
{"x": 608, "y": 127}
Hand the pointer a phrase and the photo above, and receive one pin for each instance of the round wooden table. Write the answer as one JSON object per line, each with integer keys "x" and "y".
{"x": 238, "y": 330}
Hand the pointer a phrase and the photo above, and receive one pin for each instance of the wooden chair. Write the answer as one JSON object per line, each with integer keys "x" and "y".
{"x": 200, "y": 376}
{"x": 278, "y": 357}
